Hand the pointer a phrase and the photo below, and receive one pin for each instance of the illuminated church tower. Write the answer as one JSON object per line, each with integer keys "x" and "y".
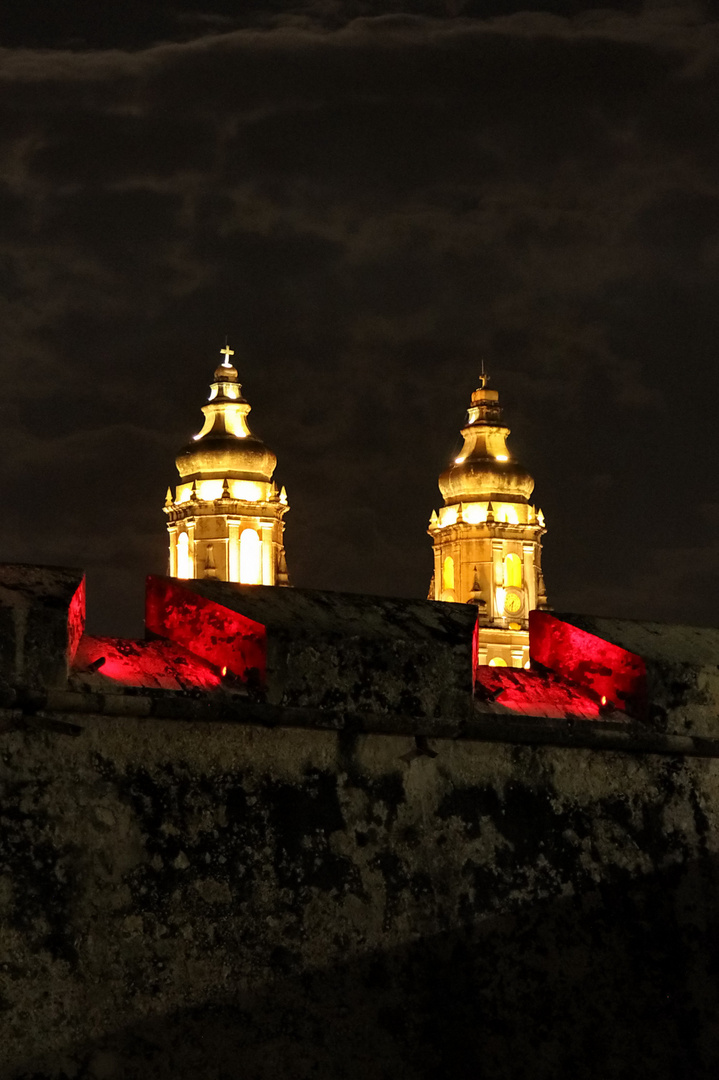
{"x": 226, "y": 518}
{"x": 487, "y": 536}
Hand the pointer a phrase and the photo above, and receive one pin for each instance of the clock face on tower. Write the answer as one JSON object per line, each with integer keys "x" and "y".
{"x": 513, "y": 602}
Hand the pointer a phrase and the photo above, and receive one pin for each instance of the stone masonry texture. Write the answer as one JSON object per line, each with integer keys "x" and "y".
{"x": 218, "y": 901}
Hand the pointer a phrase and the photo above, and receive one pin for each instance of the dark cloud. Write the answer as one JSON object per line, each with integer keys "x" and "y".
{"x": 367, "y": 203}
{"x": 85, "y": 25}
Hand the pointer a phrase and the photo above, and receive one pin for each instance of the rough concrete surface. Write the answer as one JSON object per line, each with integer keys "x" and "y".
{"x": 203, "y": 900}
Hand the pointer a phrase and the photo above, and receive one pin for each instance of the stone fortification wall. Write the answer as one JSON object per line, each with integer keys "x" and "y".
{"x": 307, "y": 839}
{"x": 224, "y": 900}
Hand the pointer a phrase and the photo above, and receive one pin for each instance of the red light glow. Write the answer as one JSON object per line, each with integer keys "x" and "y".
{"x": 475, "y": 647}
{"x": 612, "y": 674}
{"x": 211, "y": 631}
{"x": 533, "y": 693}
{"x": 151, "y": 664}
{"x": 75, "y": 621}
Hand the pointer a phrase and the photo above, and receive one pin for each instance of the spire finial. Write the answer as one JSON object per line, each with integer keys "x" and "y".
{"x": 228, "y": 352}
{"x": 483, "y": 377}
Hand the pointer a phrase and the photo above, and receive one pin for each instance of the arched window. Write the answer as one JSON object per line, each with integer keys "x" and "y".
{"x": 512, "y": 571}
{"x": 250, "y": 558}
{"x": 233, "y": 547}
{"x": 448, "y": 574}
{"x": 497, "y": 661}
{"x": 184, "y": 559}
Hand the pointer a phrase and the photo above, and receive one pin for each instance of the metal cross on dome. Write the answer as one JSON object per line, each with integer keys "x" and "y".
{"x": 484, "y": 377}
{"x": 228, "y": 352}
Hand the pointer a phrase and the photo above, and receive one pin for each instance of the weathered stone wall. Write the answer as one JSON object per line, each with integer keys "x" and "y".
{"x": 189, "y": 900}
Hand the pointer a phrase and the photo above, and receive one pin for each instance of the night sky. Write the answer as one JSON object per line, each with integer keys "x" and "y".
{"x": 368, "y": 199}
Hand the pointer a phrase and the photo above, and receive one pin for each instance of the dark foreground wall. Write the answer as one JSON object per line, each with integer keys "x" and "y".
{"x": 224, "y": 901}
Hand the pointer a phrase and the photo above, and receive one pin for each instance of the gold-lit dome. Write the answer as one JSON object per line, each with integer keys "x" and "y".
{"x": 225, "y": 519}
{"x": 225, "y": 447}
{"x": 484, "y": 470}
{"x": 487, "y": 537}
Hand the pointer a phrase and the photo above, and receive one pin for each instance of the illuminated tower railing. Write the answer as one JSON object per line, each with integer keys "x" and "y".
{"x": 487, "y": 535}
{"x": 225, "y": 519}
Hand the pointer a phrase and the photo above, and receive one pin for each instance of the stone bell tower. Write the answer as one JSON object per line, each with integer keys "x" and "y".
{"x": 487, "y": 536}
{"x": 225, "y": 519}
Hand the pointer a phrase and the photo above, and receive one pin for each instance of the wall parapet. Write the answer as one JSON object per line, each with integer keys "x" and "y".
{"x": 226, "y": 653}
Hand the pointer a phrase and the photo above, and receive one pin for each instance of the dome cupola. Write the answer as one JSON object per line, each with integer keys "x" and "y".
{"x": 484, "y": 469}
{"x": 225, "y": 447}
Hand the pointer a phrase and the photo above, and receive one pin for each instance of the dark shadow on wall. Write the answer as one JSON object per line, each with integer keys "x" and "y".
{"x": 622, "y": 981}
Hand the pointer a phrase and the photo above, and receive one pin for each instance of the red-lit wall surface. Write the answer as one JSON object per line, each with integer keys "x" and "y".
{"x": 605, "y": 670}
{"x": 200, "y": 642}
{"x": 223, "y": 637}
{"x": 535, "y": 693}
{"x": 100, "y": 662}
{"x": 75, "y": 621}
